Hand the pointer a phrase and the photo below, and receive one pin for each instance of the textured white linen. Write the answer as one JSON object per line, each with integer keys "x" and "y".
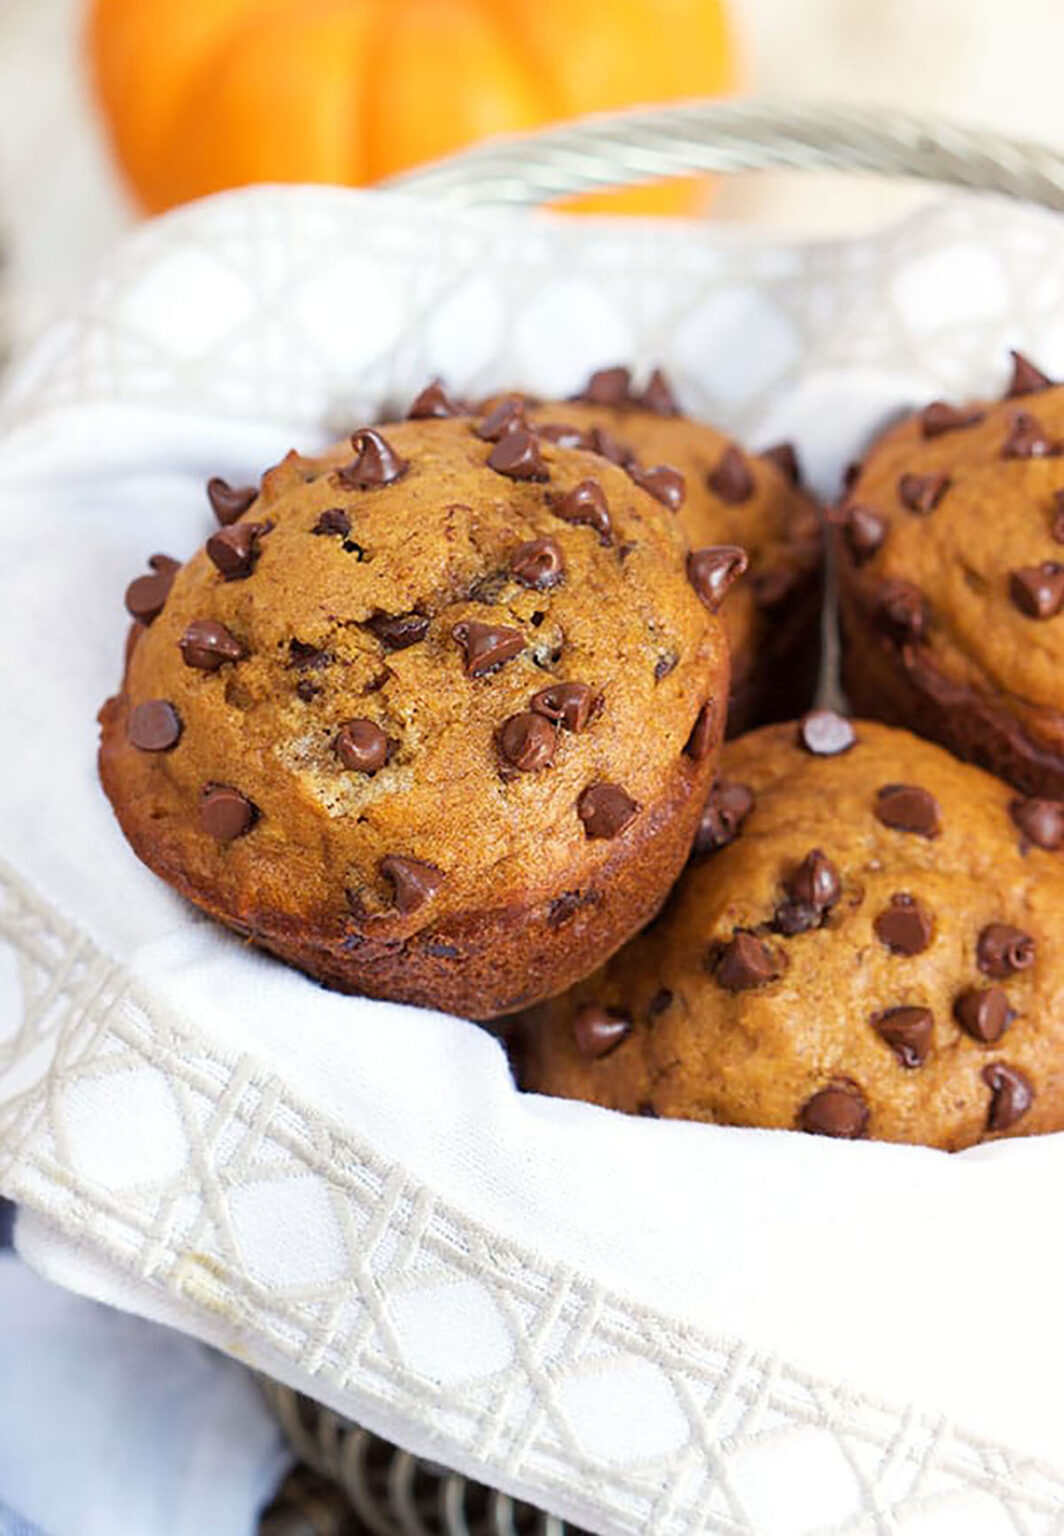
{"x": 644, "y": 1326}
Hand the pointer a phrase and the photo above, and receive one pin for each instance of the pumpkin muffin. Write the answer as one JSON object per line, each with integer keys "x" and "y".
{"x": 721, "y": 495}
{"x": 867, "y": 943}
{"x": 432, "y": 716}
{"x": 951, "y": 539}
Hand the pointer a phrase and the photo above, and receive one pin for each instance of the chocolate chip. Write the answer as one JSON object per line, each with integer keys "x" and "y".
{"x": 661, "y": 1000}
{"x": 433, "y": 403}
{"x": 727, "y": 807}
{"x": 665, "y": 664}
{"x": 146, "y": 595}
{"x": 840, "y": 1111}
{"x": 586, "y": 505}
{"x": 658, "y": 396}
{"x": 703, "y": 731}
{"x": 864, "y": 532}
{"x": 1003, "y": 950}
{"x": 375, "y": 464}
{"x": 1027, "y": 439}
{"x": 1038, "y": 590}
{"x": 714, "y": 570}
{"x": 208, "y": 645}
{"x": 607, "y": 386}
{"x": 487, "y": 646}
{"x": 744, "y": 963}
{"x": 938, "y": 418}
{"x": 1040, "y": 821}
{"x": 516, "y": 455}
{"x": 305, "y": 657}
{"x": 664, "y": 483}
{"x": 1011, "y": 1095}
{"x": 908, "y": 1033}
{"x": 234, "y": 551}
{"x": 785, "y": 457}
{"x": 361, "y": 745}
{"x": 922, "y": 493}
{"x": 562, "y": 909}
{"x": 528, "y": 741}
{"x": 794, "y": 917}
{"x": 731, "y": 480}
{"x": 307, "y": 689}
{"x": 1026, "y": 378}
{"x": 815, "y": 883}
{"x": 984, "y": 1013}
{"x": 907, "y": 808}
{"x": 904, "y": 927}
{"x": 397, "y": 631}
{"x": 564, "y": 434}
{"x": 606, "y": 810}
{"x": 154, "y": 726}
{"x": 225, "y": 813}
{"x": 333, "y": 520}
{"x": 600, "y": 441}
{"x": 597, "y": 1031}
{"x": 1056, "y": 522}
{"x": 538, "y": 564}
{"x": 825, "y": 734}
{"x": 502, "y": 418}
{"x": 566, "y": 704}
{"x": 901, "y": 611}
{"x": 228, "y": 502}
{"x": 413, "y": 880}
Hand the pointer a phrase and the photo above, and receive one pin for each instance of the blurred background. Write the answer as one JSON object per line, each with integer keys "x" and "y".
{"x": 80, "y": 95}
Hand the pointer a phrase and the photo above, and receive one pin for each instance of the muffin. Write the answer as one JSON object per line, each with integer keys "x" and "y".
{"x": 432, "y": 716}
{"x": 867, "y": 943}
{"x": 951, "y": 572}
{"x": 726, "y": 496}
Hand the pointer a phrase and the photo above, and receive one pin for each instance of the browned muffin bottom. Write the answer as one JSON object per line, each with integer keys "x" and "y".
{"x": 869, "y": 944}
{"x": 951, "y": 538}
{"x": 721, "y": 495}
{"x": 432, "y": 716}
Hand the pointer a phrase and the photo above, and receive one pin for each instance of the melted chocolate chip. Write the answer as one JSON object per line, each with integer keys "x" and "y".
{"x": 413, "y": 881}
{"x": 864, "y": 532}
{"x": 586, "y": 504}
{"x": 566, "y": 704}
{"x": 597, "y": 1031}
{"x": 908, "y": 808}
{"x": 502, "y": 418}
{"x": 658, "y": 396}
{"x": 527, "y": 741}
{"x": 664, "y": 483}
{"x": 599, "y": 441}
{"x": 745, "y": 963}
{"x": 794, "y": 917}
{"x": 1011, "y": 1095}
{"x": 731, "y": 480}
{"x": 984, "y": 1013}
{"x": 375, "y": 464}
{"x": 1027, "y": 439}
{"x": 815, "y": 882}
{"x": 228, "y": 502}
{"x": 1040, "y": 821}
{"x": 785, "y": 457}
{"x": 1038, "y": 590}
{"x": 516, "y": 455}
{"x": 1003, "y": 950}
{"x": 487, "y": 646}
{"x": 396, "y": 631}
{"x": 608, "y": 387}
{"x": 361, "y": 746}
{"x": 333, "y": 520}
{"x": 225, "y": 813}
{"x": 562, "y": 433}
{"x": 305, "y": 657}
{"x": 825, "y": 734}
{"x": 207, "y": 645}
{"x": 938, "y": 418}
{"x": 922, "y": 493}
{"x": 538, "y": 564}
{"x": 233, "y": 551}
{"x": 901, "y": 611}
{"x": 839, "y": 1110}
{"x": 702, "y": 734}
{"x": 713, "y": 571}
{"x": 1026, "y": 378}
{"x": 154, "y": 726}
{"x": 908, "y": 1033}
{"x": 146, "y": 595}
{"x": 904, "y": 927}
{"x": 606, "y": 810}
{"x": 727, "y": 807}
{"x": 433, "y": 403}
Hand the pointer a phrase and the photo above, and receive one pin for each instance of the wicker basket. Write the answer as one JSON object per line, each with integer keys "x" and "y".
{"x": 351, "y": 1481}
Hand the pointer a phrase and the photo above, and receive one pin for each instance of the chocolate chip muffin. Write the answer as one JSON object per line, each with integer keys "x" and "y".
{"x": 432, "y": 716}
{"x": 721, "y": 495}
{"x": 952, "y": 580}
{"x": 867, "y": 943}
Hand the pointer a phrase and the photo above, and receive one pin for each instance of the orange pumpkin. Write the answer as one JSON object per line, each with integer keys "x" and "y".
{"x": 201, "y": 95}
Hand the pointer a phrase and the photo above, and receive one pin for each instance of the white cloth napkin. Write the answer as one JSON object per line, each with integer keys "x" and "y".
{"x": 644, "y": 1326}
